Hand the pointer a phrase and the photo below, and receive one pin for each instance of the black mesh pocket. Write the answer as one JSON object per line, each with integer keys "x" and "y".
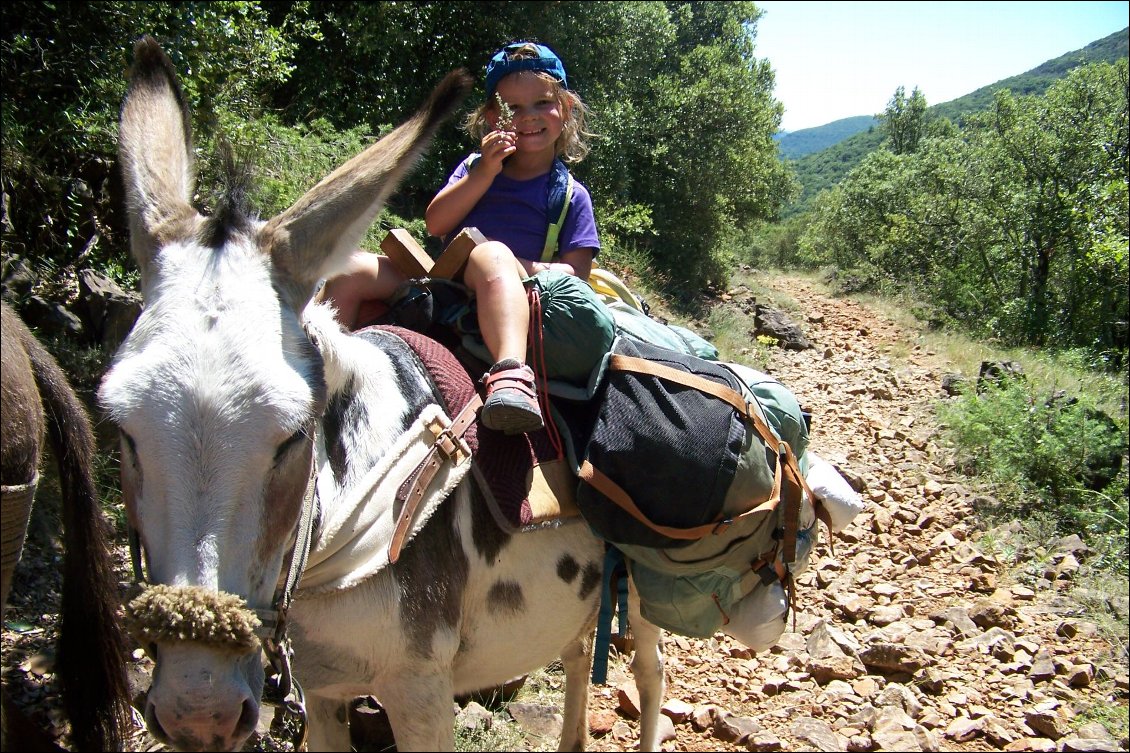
{"x": 672, "y": 449}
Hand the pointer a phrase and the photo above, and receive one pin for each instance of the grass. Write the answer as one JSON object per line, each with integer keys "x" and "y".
{"x": 1046, "y": 370}
{"x": 543, "y": 687}
{"x": 501, "y": 734}
{"x": 1115, "y": 717}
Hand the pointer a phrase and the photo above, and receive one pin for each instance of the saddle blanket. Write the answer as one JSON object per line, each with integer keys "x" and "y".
{"x": 526, "y": 481}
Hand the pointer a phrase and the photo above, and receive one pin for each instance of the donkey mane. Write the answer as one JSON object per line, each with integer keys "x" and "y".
{"x": 233, "y": 213}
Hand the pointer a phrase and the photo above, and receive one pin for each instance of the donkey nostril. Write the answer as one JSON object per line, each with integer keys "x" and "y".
{"x": 248, "y": 719}
{"x": 153, "y": 724}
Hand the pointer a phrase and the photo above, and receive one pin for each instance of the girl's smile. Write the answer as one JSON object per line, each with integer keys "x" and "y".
{"x": 537, "y": 113}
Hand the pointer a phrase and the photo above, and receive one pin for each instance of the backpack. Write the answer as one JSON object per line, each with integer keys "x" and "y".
{"x": 639, "y": 326}
{"x": 693, "y": 470}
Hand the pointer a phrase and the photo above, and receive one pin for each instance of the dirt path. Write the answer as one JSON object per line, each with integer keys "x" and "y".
{"x": 910, "y": 637}
{"x": 943, "y": 651}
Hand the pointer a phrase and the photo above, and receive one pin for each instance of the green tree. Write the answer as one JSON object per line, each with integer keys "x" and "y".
{"x": 683, "y": 166}
{"x": 904, "y": 121}
{"x": 63, "y": 66}
{"x": 1016, "y": 226}
{"x": 1063, "y": 158}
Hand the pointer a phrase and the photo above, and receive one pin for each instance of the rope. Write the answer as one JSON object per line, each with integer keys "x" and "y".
{"x": 537, "y": 347}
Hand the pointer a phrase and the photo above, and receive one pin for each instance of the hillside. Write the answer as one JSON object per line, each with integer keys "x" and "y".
{"x": 796, "y": 144}
{"x": 822, "y": 170}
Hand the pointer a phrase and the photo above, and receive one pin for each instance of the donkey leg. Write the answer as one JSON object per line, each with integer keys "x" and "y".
{"x": 577, "y": 661}
{"x": 421, "y": 710}
{"x": 647, "y": 669}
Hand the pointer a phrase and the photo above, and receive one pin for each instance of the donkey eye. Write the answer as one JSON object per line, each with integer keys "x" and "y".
{"x": 292, "y": 441}
{"x": 131, "y": 446}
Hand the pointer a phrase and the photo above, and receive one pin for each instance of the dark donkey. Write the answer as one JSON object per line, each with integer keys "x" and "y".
{"x": 38, "y": 401}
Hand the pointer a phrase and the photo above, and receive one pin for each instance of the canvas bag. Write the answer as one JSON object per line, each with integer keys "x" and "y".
{"x": 732, "y": 582}
{"x": 698, "y": 490}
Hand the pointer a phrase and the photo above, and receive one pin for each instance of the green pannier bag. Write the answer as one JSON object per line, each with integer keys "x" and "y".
{"x": 640, "y": 327}
{"x": 693, "y": 561}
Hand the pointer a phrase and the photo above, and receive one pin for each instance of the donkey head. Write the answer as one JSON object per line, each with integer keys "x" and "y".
{"x": 216, "y": 391}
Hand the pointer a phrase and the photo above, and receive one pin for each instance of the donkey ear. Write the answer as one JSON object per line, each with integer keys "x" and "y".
{"x": 155, "y": 151}
{"x": 315, "y": 236}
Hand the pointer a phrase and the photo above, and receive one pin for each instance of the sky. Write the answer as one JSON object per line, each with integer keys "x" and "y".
{"x": 835, "y": 60}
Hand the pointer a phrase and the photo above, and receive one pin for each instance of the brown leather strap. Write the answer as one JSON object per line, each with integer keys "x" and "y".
{"x": 623, "y": 500}
{"x": 521, "y": 377}
{"x": 735, "y": 399}
{"x": 449, "y": 444}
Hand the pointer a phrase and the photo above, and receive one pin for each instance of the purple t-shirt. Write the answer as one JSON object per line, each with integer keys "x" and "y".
{"x": 515, "y": 212}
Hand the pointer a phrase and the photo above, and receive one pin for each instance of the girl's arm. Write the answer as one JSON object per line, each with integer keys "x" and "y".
{"x": 580, "y": 259}
{"x": 455, "y": 201}
{"x": 575, "y": 261}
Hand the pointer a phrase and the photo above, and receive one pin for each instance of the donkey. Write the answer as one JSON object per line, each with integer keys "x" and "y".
{"x": 37, "y": 401}
{"x": 245, "y": 409}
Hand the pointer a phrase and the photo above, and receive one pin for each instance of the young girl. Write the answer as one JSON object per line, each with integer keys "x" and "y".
{"x": 504, "y": 193}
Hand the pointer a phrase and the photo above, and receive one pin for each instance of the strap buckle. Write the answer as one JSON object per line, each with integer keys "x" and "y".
{"x": 452, "y": 447}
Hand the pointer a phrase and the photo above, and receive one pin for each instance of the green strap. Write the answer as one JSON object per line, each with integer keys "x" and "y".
{"x": 550, "y": 249}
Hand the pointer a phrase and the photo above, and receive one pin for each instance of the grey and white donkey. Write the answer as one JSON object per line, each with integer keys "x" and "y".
{"x": 230, "y": 388}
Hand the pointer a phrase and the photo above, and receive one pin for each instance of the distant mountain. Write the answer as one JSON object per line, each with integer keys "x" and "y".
{"x": 796, "y": 144}
{"x": 821, "y": 170}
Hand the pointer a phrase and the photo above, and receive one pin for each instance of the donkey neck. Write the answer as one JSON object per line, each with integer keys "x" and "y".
{"x": 376, "y": 389}
{"x": 370, "y": 440}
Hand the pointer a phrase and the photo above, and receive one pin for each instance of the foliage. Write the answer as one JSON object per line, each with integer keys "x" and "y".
{"x": 904, "y": 121}
{"x": 63, "y": 67}
{"x": 823, "y": 170}
{"x": 1115, "y": 717}
{"x": 1046, "y": 455}
{"x": 777, "y": 244}
{"x": 675, "y": 91}
{"x": 1015, "y": 227}
{"x": 683, "y": 165}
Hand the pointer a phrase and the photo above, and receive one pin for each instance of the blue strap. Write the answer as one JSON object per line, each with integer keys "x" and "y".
{"x": 614, "y": 569}
{"x": 560, "y": 194}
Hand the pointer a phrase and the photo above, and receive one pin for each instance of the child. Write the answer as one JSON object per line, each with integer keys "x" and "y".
{"x": 503, "y": 191}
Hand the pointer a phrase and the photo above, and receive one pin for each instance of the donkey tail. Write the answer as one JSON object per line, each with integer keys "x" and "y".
{"x": 92, "y": 650}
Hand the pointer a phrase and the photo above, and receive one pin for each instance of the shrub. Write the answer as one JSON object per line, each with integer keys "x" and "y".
{"x": 1050, "y": 455}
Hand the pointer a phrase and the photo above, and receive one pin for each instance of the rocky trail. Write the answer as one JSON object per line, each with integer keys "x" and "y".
{"x": 911, "y": 635}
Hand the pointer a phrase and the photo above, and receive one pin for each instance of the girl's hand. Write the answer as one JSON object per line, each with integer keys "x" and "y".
{"x": 533, "y": 267}
{"x": 496, "y": 147}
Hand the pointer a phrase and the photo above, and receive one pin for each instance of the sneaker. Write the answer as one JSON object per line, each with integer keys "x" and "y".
{"x": 511, "y": 404}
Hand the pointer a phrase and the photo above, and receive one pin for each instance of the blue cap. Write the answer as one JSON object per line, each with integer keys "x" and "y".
{"x": 501, "y": 65}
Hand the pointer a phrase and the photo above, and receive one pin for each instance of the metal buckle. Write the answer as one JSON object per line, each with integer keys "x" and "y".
{"x": 721, "y": 526}
{"x": 453, "y": 447}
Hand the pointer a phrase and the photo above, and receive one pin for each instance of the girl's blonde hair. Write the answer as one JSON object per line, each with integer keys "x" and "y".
{"x": 572, "y": 144}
